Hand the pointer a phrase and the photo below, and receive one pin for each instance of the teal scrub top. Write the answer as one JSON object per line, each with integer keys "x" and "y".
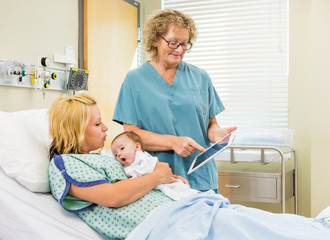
{"x": 180, "y": 109}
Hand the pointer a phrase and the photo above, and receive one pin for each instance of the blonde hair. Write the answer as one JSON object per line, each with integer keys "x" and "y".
{"x": 68, "y": 119}
{"x": 132, "y": 136}
{"x": 159, "y": 24}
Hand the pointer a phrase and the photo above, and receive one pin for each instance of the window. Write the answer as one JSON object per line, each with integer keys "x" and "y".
{"x": 243, "y": 46}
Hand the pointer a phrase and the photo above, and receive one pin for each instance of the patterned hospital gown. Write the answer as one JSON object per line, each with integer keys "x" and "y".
{"x": 92, "y": 169}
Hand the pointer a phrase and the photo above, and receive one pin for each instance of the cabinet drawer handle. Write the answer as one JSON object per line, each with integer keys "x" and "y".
{"x": 232, "y": 186}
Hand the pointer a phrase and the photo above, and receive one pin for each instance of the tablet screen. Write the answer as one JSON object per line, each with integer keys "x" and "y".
{"x": 211, "y": 152}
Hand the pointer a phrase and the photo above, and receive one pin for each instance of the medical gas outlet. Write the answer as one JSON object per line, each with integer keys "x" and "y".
{"x": 40, "y": 76}
{"x": 45, "y": 75}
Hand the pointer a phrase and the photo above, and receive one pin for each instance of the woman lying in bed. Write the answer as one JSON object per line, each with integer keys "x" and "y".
{"x": 96, "y": 188}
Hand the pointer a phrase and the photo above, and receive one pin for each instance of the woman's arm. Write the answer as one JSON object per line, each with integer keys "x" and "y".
{"x": 183, "y": 146}
{"x": 215, "y": 132}
{"x": 124, "y": 192}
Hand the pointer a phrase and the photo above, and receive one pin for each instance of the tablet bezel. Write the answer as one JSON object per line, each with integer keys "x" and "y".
{"x": 230, "y": 141}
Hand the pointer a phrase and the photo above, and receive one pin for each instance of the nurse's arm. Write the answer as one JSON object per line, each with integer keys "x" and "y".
{"x": 215, "y": 132}
{"x": 183, "y": 146}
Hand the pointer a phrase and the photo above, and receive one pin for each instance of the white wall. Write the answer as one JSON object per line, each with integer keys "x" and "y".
{"x": 300, "y": 106}
{"x": 309, "y": 99}
{"x": 31, "y": 28}
{"x": 320, "y": 101}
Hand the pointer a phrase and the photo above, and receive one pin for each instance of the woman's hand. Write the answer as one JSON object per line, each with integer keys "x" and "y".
{"x": 185, "y": 146}
{"x": 164, "y": 171}
{"x": 168, "y": 177}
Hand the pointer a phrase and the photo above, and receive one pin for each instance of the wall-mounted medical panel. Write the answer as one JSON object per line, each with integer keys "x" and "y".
{"x": 15, "y": 73}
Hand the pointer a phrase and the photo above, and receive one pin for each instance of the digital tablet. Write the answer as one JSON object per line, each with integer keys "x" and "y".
{"x": 211, "y": 152}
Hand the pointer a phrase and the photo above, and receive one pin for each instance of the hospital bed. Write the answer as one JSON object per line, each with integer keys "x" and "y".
{"x": 28, "y": 210}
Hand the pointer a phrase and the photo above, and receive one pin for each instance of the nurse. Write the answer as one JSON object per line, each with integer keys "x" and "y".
{"x": 172, "y": 104}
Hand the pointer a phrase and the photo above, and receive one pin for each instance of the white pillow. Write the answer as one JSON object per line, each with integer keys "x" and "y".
{"x": 24, "y": 147}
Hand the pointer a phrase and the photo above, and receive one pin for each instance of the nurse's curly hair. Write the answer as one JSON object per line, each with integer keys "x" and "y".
{"x": 159, "y": 24}
{"x": 68, "y": 119}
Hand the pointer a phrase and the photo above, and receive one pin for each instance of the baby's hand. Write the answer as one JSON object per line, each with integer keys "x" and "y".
{"x": 185, "y": 181}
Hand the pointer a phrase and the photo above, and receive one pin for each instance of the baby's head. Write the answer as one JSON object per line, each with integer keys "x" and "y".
{"x": 124, "y": 147}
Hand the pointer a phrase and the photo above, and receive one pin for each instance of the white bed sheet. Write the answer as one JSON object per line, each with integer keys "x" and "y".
{"x": 27, "y": 215}
{"x": 251, "y": 155}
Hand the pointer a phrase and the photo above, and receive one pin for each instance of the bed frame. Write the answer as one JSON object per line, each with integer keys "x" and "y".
{"x": 261, "y": 183}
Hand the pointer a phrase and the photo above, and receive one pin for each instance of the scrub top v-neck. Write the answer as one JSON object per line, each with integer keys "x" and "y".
{"x": 180, "y": 109}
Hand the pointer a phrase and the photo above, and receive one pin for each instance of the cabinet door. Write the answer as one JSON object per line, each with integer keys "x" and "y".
{"x": 110, "y": 46}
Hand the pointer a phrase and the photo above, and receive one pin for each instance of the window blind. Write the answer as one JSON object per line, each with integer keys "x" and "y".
{"x": 243, "y": 46}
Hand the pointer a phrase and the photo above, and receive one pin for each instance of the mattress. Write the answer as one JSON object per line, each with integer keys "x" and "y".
{"x": 27, "y": 215}
{"x": 252, "y": 155}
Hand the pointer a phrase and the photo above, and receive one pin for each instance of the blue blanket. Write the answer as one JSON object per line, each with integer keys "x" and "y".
{"x": 211, "y": 216}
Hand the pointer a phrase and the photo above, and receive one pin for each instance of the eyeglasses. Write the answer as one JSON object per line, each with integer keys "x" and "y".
{"x": 175, "y": 44}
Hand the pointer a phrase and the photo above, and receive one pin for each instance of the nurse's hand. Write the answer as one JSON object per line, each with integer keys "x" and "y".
{"x": 220, "y": 133}
{"x": 185, "y": 146}
{"x": 215, "y": 132}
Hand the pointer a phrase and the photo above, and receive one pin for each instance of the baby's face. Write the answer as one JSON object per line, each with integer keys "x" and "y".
{"x": 124, "y": 150}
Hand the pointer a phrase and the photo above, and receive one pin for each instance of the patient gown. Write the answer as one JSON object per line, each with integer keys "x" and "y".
{"x": 92, "y": 169}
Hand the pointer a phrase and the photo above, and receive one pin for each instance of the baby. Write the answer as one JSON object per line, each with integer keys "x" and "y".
{"x": 128, "y": 149}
